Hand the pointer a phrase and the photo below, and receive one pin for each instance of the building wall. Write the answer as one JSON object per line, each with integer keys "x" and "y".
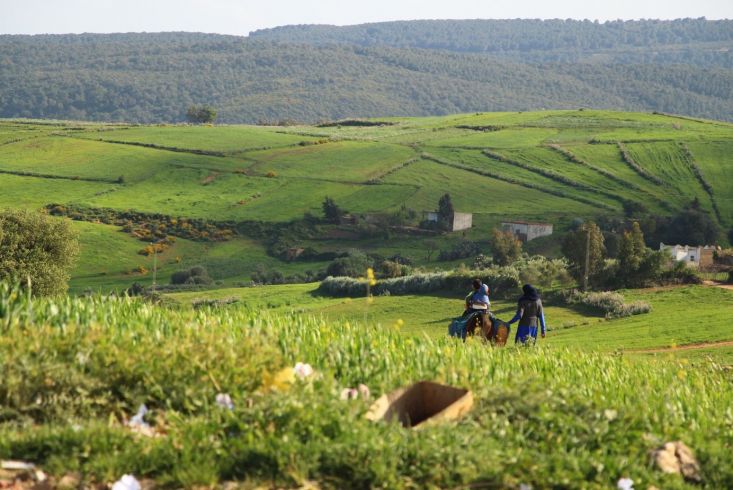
{"x": 538, "y": 230}
{"x": 462, "y": 221}
{"x": 528, "y": 231}
{"x": 694, "y": 256}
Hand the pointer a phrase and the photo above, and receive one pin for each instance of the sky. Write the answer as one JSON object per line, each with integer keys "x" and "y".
{"x": 239, "y": 17}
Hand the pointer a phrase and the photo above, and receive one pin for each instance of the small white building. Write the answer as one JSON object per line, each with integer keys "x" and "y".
{"x": 693, "y": 256}
{"x": 459, "y": 221}
{"x": 527, "y": 231}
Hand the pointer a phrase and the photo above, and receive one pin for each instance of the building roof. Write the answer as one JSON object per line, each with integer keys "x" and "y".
{"x": 525, "y": 223}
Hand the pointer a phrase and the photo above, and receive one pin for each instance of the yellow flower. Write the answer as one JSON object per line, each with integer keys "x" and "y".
{"x": 370, "y": 274}
{"x": 372, "y": 282}
{"x": 400, "y": 322}
{"x": 280, "y": 381}
{"x": 681, "y": 374}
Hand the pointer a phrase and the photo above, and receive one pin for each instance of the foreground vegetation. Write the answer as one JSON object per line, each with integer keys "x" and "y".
{"x": 547, "y": 417}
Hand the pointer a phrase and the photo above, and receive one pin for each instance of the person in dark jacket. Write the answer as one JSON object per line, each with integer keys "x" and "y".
{"x": 529, "y": 314}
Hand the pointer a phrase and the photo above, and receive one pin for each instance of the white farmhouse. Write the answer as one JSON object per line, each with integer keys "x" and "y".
{"x": 693, "y": 256}
{"x": 526, "y": 230}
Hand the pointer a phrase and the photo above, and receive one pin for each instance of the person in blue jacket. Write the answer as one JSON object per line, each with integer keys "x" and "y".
{"x": 529, "y": 314}
{"x": 478, "y": 302}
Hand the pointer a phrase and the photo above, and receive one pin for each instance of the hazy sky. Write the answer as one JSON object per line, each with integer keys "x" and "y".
{"x": 242, "y": 16}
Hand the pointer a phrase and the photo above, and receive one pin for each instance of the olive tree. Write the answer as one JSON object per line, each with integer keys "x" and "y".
{"x": 38, "y": 250}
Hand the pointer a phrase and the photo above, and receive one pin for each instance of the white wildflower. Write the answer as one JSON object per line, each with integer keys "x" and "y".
{"x": 363, "y": 391}
{"x": 525, "y": 486}
{"x": 349, "y": 394}
{"x": 302, "y": 370}
{"x": 225, "y": 401}
{"x": 138, "y": 420}
{"x": 625, "y": 484}
{"x": 127, "y": 482}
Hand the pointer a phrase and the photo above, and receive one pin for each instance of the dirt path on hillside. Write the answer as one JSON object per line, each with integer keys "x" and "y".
{"x": 703, "y": 345}
{"x": 721, "y": 285}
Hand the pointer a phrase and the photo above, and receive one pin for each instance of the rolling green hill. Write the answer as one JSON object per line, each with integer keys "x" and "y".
{"x": 251, "y": 186}
{"x": 311, "y": 74}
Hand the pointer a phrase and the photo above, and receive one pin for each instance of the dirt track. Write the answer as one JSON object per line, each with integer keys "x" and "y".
{"x": 703, "y": 345}
{"x": 721, "y": 285}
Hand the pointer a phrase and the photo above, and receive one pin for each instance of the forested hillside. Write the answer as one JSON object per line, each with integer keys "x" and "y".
{"x": 687, "y": 41}
{"x": 300, "y": 74}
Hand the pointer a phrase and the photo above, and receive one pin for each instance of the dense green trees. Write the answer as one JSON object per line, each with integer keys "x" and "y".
{"x": 201, "y": 114}
{"x": 36, "y": 249}
{"x": 539, "y": 41}
{"x": 331, "y": 212}
{"x": 155, "y": 77}
{"x": 445, "y": 212}
{"x": 585, "y": 251}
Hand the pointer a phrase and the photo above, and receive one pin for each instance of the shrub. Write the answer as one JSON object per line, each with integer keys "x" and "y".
{"x": 461, "y": 250}
{"x": 195, "y": 275}
{"x": 389, "y": 268}
{"x": 36, "y": 248}
{"x": 610, "y": 304}
{"x": 505, "y": 246}
{"x": 354, "y": 264}
{"x": 501, "y": 281}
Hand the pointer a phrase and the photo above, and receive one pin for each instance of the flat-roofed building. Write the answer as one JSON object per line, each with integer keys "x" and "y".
{"x": 527, "y": 230}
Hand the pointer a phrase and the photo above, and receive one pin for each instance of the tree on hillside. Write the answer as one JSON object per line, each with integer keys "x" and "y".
{"x": 201, "y": 114}
{"x": 445, "y": 212}
{"x": 505, "y": 246}
{"x": 637, "y": 265}
{"x": 693, "y": 227}
{"x": 632, "y": 251}
{"x": 331, "y": 211}
{"x": 585, "y": 250}
{"x": 38, "y": 248}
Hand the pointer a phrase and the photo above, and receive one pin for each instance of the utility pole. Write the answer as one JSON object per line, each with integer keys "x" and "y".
{"x": 155, "y": 264}
{"x": 587, "y": 258}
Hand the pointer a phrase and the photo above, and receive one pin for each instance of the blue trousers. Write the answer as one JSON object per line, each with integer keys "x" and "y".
{"x": 526, "y": 334}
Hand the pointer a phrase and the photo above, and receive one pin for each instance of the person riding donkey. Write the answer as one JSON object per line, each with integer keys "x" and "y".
{"x": 478, "y": 302}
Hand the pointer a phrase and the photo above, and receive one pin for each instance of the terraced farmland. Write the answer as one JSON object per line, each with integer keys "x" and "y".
{"x": 554, "y": 166}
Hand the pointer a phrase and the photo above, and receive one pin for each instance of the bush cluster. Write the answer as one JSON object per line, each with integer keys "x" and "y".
{"x": 147, "y": 226}
{"x": 503, "y": 282}
{"x": 461, "y": 250}
{"x": 610, "y": 304}
{"x": 195, "y": 275}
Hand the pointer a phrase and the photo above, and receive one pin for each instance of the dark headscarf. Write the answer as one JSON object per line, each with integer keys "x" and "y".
{"x": 530, "y": 293}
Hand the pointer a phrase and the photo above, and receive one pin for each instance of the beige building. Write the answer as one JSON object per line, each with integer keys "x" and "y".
{"x": 692, "y": 256}
{"x": 526, "y": 230}
{"x": 460, "y": 221}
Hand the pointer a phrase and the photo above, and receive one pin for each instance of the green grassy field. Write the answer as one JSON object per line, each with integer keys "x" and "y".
{"x": 680, "y": 316}
{"x": 586, "y": 405}
{"x": 276, "y": 175}
{"x": 554, "y": 417}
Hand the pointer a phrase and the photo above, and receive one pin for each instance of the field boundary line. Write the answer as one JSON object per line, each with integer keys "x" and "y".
{"x": 689, "y": 159}
{"x": 493, "y": 175}
{"x": 548, "y": 174}
{"x": 695, "y": 346}
{"x": 629, "y": 160}
{"x": 20, "y": 173}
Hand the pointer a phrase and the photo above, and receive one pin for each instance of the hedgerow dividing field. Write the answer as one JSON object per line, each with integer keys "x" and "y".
{"x": 277, "y": 174}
